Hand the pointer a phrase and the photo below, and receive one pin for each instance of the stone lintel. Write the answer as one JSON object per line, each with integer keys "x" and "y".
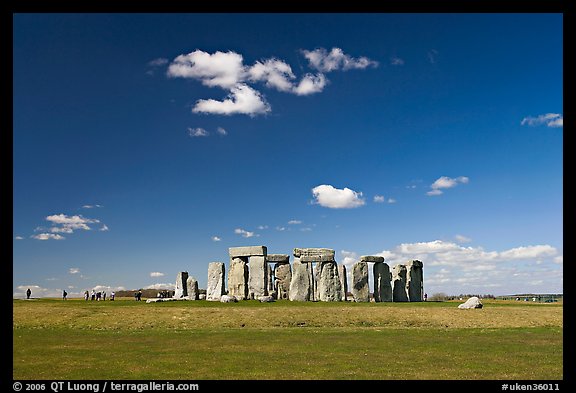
{"x": 274, "y": 258}
{"x": 371, "y": 258}
{"x": 313, "y": 252}
{"x": 247, "y": 251}
{"x": 318, "y": 258}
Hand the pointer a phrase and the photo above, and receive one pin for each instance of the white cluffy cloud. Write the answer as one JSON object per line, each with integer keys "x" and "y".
{"x": 382, "y": 199}
{"x": 294, "y": 222}
{"x": 216, "y": 239}
{"x": 446, "y": 182}
{"x": 334, "y": 198}
{"x": 74, "y": 270}
{"x": 226, "y": 70}
{"x": 549, "y": 119}
{"x": 156, "y": 274}
{"x": 62, "y": 223}
{"x": 196, "y": 132}
{"x": 244, "y": 233}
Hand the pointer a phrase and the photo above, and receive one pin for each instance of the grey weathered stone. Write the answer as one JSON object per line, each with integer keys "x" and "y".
{"x": 300, "y": 285}
{"x": 316, "y": 258}
{"x": 473, "y": 302}
{"x": 283, "y": 276}
{"x": 192, "y": 288}
{"x": 343, "y": 281}
{"x": 415, "y": 281}
{"x": 312, "y": 252}
{"x": 382, "y": 282}
{"x": 247, "y": 251}
{"x": 270, "y": 276}
{"x": 360, "y": 288}
{"x": 399, "y": 292}
{"x": 274, "y": 258}
{"x": 202, "y": 296}
{"x": 181, "y": 290}
{"x": 266, "y": 299}
{"x": 258, "y": 278}
{"x": 228, "y": 299}
{"x": 371, "y": 258}
{"x": 238, "y": 278}
{"x": 329, "y": 287}
{"x": 215, "y": 287}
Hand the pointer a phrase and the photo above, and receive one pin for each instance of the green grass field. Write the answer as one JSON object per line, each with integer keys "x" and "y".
{"x": 125, "y": 339}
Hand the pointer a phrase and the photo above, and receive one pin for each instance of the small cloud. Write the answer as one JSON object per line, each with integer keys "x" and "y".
{"x": 48, "y": 236}
{"x": 559, "y": 259}
{"x": 294, "y": 222}
{"x": 462, "y": 239}
{"x": 446, "y": 182}
{"x": 158, "y": 62}
{"x": 221, "y": 131}
{"x": 262, "y": 227}
{"x": 156, "y": 274}
{"x": 216, "y": 239}
{"x": 74, "y": 270}
{"x": 18, "y": 238}
{"x": 322, "y": 60}
{"x": 167, "y": 286}
{"x": 396, "y": 61}
{"x": 242, "y": 100}
{"x": 306, "y": 229}
{"x": 553, "y": 120}
{"x": 328, "y": 196}
{"x": 196, "y": 132}
{"x": 104, "y": 228}
{"x": 391, "y": 200}
{"x": 91, "y": 206}
{"x": 244, "y": 233}
{"x": 280, "y": 229}
{"x": 379, "y": 199}
{"x": 310, "y": 84}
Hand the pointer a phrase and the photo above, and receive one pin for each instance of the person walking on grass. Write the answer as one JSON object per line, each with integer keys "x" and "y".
{"x": 64, "y": 295}
{"x": 28, "y": 293}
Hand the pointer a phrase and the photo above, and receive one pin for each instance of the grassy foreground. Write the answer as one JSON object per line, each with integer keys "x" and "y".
{"x": 125, "y": 339}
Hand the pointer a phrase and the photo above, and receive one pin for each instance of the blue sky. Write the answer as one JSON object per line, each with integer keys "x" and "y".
{"x": 147, "y": 144}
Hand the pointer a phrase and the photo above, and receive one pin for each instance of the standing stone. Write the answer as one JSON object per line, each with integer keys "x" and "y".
{"x": 192, "y": 288}
{"x": 414, "y": 281}
{"x": 399, "y": 293}
{"x": 328, "y": 284}
{"x": 283, "y": 275}
{"x": 360, "y": 288}
{"x": 343, "y": 281}
{"x": 300, "y": 287}
{"x": 382, "y": 282}
{"x": 215, "y": 288}
{"x": 238, "y": 279}
{"x": 270, "y": 275}
{"x": 258, "y": 280}
{"x": 316, "y": 271}
{"x": 181, "y": 289}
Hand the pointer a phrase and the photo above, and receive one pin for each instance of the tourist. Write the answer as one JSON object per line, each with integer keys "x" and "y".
{"x": 28, "y": 293}
{"x": 93, "y": 295}
{"x": 139, "y": 295}
{"x": 64, "y": 294}
{"x": 98, "y": 296}
{"x": 425, "y": 296}
{"x": 104, "y": 295}
{"x": 86, "y": 295}
{"x": 112, "y": 294}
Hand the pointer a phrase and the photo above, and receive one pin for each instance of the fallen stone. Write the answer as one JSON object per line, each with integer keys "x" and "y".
{"x": 228, "y": 299}
{"x": 202, "y": 296}
{"x": 473, "y": 302}
{"x": 266, "y": 299}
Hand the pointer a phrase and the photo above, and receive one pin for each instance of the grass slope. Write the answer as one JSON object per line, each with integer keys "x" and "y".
{"x": 125, "y": 339}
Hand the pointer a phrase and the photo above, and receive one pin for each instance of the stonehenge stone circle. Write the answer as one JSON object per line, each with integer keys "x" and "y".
{"x": 414, "y": 281}
{"x": 215, "y": 287}
{"x": 399, "y": 292}
{"x": 192, "y": 288}
{"x": 343, "y": 281}
{"x": 360, "y": 288}
{"x": 382, "y": 282}
{"x": 238, "y": 279}
{"x": 181, "y": 290}
{"x": 255, "y": 257}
